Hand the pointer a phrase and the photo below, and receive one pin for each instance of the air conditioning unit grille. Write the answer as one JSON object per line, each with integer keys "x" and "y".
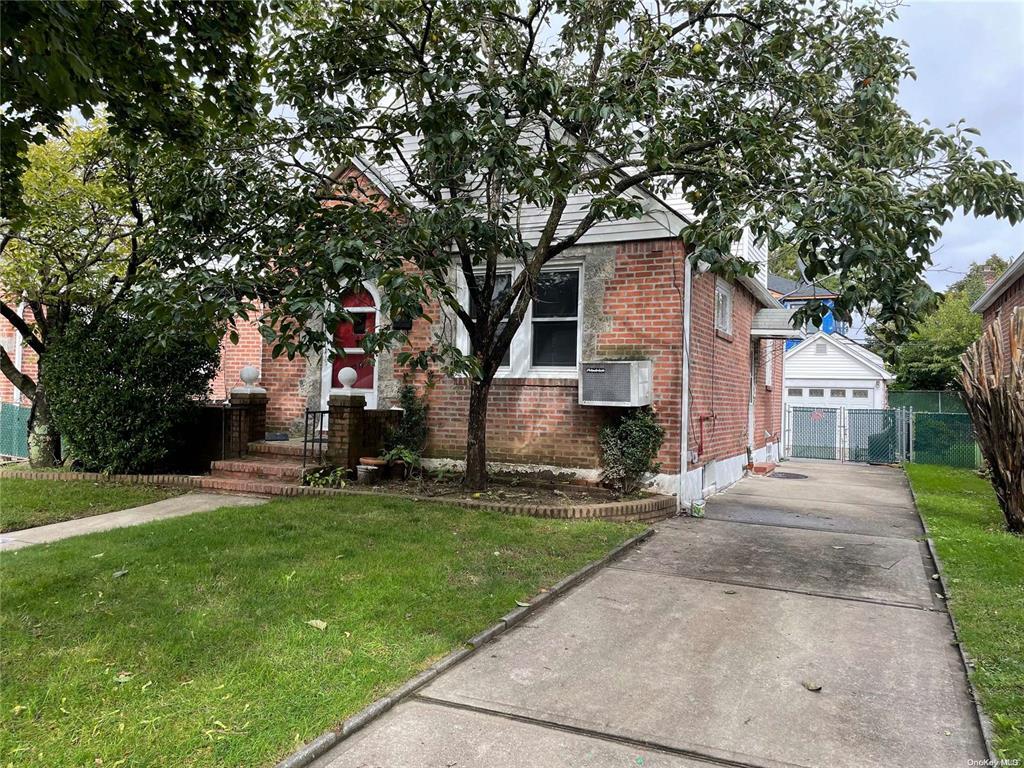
{"x": 622, "y": 383}
{"x": 608, "y": 382}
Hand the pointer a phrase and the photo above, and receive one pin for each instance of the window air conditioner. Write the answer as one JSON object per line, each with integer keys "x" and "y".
{"x": 622, "y": 383}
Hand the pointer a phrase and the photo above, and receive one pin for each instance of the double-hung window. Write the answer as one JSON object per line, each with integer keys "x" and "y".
{"x": 502, "y": 283}
{"x": 555, "y": 322}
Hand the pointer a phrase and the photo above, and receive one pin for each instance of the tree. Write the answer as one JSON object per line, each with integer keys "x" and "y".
{"x": 776, "y": 116}
{"x": 979, "y": 277}
{"x": 929, "y": 358}
{"x": 77, "y": 245}
{"x": 152, "y": 64}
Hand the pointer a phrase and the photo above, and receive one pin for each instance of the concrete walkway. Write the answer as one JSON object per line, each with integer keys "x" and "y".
{"x": 797, "y": 626}
{"x": 175, "y": 506}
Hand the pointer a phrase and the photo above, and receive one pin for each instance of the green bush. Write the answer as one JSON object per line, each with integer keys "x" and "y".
{"x": 629, "y": 447}
{"x": 120, "y": 400}
{"x": 410, "y": 435}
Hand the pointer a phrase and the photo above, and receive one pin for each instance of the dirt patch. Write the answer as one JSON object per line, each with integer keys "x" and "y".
{"x": 500, "y": 490}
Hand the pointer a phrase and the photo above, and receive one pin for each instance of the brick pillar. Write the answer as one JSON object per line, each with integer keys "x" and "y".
{"x": 255, "y": 404}
{"x": 344, "y": 429}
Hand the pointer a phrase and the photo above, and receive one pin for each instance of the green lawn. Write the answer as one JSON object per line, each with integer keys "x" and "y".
{"x": 185, "y": 642}
{"x": 28, "y": 503}
{"x": 984, "y": 570}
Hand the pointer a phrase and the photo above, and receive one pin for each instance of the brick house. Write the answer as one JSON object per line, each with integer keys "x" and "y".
{"x": 996, "y": 305}
{"x": 625, "y": 291}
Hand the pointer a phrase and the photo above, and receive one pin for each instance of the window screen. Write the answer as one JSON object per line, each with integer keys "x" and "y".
{"x": 555, "y": 318}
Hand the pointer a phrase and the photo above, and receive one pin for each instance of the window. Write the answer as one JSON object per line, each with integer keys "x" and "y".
{"x": 502, "y": 283}
{"x": 860, "y": 394}
{"x": 723, "y": 307}
{"x": 821, "y": 348}
{"x": 815, "y": 392}
{"x": 840, "y": 393}
{"x": 769, "y": 362}
{"x": 555, "y": 318}
{"x": 795, "y": 392}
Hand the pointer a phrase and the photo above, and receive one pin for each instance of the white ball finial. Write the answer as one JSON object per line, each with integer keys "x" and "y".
{"x": 249, "y": 375}
{"x": 347, "y": 377}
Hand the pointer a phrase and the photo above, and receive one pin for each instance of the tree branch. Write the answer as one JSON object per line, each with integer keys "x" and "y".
{"x": 21, "y": 327}
{"x": 25, "y": 385}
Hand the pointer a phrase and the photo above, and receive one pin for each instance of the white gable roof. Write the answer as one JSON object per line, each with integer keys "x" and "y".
{"x": 842, "y": 359}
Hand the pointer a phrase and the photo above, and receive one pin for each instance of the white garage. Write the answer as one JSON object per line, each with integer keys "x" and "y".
{"x": 828, "y": 370}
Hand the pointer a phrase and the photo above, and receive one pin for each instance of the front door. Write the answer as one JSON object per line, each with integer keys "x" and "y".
{"x": 360, "y": 304}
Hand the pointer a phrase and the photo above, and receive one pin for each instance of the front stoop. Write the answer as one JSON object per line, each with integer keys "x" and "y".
{"x": 268, "y": 467}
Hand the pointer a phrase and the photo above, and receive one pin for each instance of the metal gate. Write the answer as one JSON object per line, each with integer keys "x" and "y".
{"x": 14, "y": 430}
{"x": 813, "y": 433}
{"x": 876, "y": 436}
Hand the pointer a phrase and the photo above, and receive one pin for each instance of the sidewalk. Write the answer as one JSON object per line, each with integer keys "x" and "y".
{"x": 160, "y": 510}
{"x": 785, "y": 630}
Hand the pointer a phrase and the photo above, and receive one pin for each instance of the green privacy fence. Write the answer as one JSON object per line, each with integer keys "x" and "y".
{"x": 928, "y": 402}
{"x": 944, "y": 438}
{"x": 14, "y": 430}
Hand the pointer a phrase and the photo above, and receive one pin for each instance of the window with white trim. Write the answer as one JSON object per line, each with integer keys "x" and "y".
{"x": 547, "y": 343}
{"x": 723, "y": 307}
{"x": 555, "y": 320}
{"x": 837, "y": 393}
{"x": 815, "y": 392}
{"x": 860, "y": 394}
{"x": 795, "y": 392}
{"x": 769, "y": 361}
{"x": 502, "y": 283}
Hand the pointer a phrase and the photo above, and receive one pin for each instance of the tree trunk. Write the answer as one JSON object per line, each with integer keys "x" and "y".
{"x": 476, "y": 435}
{"x": 43, "y": 437}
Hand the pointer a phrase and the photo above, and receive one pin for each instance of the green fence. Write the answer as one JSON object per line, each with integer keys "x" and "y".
{"x": 873, "y": 436}
{"x": 944, "y": 438}
{"x": 930, "y": 402}
{"x": 14, "y": 430}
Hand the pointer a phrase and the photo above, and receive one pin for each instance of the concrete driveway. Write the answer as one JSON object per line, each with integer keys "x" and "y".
{"x": 796, "y": 626}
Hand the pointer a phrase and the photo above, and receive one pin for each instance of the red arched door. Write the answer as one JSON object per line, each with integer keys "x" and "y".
{"x": 349, "y": 334}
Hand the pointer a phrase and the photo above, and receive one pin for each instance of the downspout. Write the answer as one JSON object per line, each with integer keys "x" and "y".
{"x": 684, "y": 391}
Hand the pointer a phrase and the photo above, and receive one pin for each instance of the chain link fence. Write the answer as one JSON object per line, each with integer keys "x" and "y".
{"x": 928, "y": 402}
{"x": 14, "y": 430}
{"x": 944, "y": 438}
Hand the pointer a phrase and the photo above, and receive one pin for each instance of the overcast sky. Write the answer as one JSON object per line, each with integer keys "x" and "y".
{"x": 969, "y": 58}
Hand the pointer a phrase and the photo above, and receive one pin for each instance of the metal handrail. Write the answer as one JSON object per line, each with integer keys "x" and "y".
{"x": 313, "y": 436}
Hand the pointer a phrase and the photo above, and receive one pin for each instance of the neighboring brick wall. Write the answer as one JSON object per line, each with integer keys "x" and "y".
{"x": 11, "y": 340}
{"x": 234, "y": 357}
{"x": 1001, "y": 310}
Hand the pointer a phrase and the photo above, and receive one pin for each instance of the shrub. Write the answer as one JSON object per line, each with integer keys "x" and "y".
{"x": 121, "y": 400}
{"x": 629, "y": 446}
{"x": 411, "y": 433}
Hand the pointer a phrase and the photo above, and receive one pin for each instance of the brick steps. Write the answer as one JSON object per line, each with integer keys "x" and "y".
{"x": 292, "y": 448}
{"x": 259, "y": 468}
{"x": 248, "y": 487}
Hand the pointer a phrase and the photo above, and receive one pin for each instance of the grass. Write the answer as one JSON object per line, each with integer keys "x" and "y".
{"x": 186, "y": 642}
{"x": 28, "y": 503}
{"x": 984, "y": 572}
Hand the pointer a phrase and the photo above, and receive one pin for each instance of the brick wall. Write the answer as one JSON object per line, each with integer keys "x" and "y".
{"x": 234, "y": 357}
{"x": 1001, "y": 310}
{"x": 11, "y": 340}
{"x": 538, "y": 420}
